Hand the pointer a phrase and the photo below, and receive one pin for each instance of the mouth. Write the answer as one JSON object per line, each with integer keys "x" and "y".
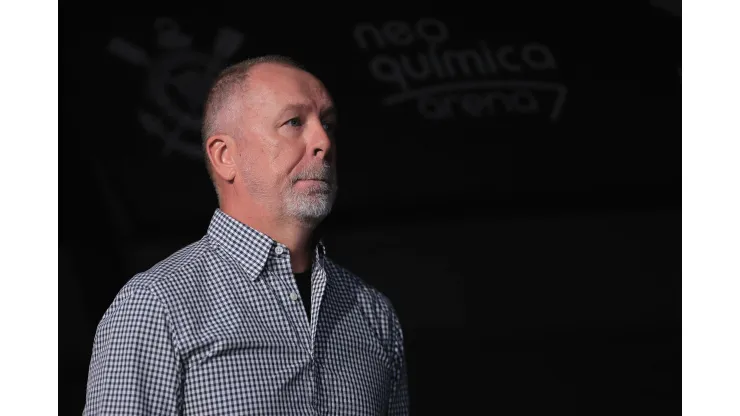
{"x": 313, "y": 180}
{"x": 313, "y": 184}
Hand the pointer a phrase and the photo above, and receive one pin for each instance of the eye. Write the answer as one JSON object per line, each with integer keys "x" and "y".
{"x": 329, "y": 126}
{"x": 294, "y": 122}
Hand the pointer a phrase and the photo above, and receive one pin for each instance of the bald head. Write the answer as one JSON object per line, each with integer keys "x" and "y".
{"x": 222, "y": 107}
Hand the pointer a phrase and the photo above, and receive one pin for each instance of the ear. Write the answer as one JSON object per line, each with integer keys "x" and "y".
{"x": 222, "y": 152}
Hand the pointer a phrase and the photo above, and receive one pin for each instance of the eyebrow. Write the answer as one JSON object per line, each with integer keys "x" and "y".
{"x": 330, "y": 111}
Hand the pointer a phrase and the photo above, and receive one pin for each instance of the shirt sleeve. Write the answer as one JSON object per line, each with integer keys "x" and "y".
{"x": 134, "y": 369}
{"x": 399, "y": 397}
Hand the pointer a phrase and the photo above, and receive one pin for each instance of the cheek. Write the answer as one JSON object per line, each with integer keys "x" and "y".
{"x": 289, "y": 162}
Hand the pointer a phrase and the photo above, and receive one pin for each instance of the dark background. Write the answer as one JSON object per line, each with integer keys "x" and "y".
{"x": 534, "y": 259}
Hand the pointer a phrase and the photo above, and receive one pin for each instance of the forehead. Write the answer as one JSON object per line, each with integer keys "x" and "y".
{"x": 273, "y": 86}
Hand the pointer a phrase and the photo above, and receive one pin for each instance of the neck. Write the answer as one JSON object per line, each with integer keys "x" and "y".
{"x": 296, "y": 236}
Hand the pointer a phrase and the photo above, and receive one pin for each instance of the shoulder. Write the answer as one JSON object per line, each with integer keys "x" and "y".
{"x": 167, "y": 279}
{"x": 375, "y": 304}
{"x": 352, "y": 280}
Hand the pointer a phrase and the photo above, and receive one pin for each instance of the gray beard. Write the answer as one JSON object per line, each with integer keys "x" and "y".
{"x": 310, "y": 206}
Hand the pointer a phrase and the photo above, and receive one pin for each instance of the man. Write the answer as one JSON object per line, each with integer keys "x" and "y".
{"x": 255, "y": 318}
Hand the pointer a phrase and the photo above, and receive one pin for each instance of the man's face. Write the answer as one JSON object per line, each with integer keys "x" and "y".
{"x": 286, "y": 154}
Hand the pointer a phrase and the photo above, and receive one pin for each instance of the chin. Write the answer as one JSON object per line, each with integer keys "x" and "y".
{"x": 311, "y": 208}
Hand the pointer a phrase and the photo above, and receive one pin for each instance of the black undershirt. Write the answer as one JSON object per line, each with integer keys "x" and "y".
{"x": 303, "y": 280}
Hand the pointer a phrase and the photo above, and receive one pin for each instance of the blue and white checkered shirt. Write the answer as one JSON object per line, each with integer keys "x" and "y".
{"x": 218, "y": 328}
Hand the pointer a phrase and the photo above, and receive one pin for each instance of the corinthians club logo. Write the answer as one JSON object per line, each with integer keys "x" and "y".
{"x": 179, "y": 78}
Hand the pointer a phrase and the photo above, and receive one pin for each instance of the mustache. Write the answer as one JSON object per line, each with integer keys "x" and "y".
{"x": 319, "y": 173}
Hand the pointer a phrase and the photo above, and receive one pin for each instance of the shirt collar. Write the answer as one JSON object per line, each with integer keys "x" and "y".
{"x": 248, "y": 246}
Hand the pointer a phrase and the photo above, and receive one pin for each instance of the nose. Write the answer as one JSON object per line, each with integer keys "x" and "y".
{"x": 320, "y": 143}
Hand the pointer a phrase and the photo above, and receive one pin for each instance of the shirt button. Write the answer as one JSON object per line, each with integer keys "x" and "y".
{"x": 278, "y": 250}
{"x": 293, "y": 296}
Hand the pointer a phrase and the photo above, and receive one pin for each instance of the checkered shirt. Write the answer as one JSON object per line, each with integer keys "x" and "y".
{"x": 218, "y": 328}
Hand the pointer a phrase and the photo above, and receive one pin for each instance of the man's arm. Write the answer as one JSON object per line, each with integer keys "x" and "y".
{"x": 134, "y": 368}
{"x": 399, "y": 398}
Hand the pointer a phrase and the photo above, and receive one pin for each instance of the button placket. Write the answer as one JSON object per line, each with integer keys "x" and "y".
{"x": 287, "y": 289}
